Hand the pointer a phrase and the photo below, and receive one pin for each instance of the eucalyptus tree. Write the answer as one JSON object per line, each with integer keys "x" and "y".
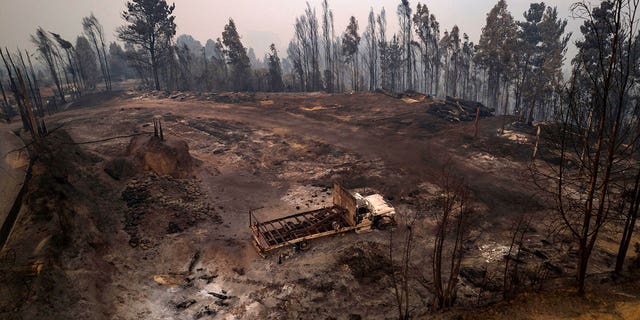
{"x": 94, "y": 31}
{"x": 350, "y": 44}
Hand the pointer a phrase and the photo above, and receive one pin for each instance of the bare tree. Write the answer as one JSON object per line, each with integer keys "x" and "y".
{"x": 400, "y": 273}
{"x": 150, "y": 28}
{"x": 6, "y": 108}
{"x": 350, "y": 44}
{"x": 450, "y": 241}
{"x": 94, "y": 31}
{"x": 510, "y": 272}
{"x": 633, "y": 197}
{"x": 327, "y": 26}
{"x": 371, "y": 45}
{"x": 406, "y": 30}
{"x": 600, "y": 86}
{"x": 71, "y": 61}
{"x": 46, "y": 50}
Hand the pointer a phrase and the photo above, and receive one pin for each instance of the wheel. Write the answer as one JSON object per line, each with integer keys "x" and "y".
{"x": 303, "y": 246}
{"x": 384, "y": 222}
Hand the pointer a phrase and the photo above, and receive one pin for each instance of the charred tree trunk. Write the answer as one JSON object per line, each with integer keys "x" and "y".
{"x": 629, "y": 225}
{"x": 5, "y": 105}
{"x": 15, "y": 89}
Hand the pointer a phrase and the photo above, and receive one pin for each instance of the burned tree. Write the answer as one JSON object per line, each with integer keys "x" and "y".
{"x": 71, "y": 61}
{"x": 18, "y": 86}
{"x": 512, "y": 258}
{"x": 632, "y": 196}
{"x": 237, "y": 58}
{"x": 275, "y": 70}
{"x": 47, "y": 56}
{"x": 371, "y": 46}
{"x": 327, "y": 28}
{"x": 594, "y": 127}
{"x": 400, "y": 274}
{"x": 94, "y": 31}
{"x": 404, "y": 17}
{"x": 6, "y": 108}
{"x": 149, "y": 30}
{"x": 495, "y": 47}
{"x": 451, "y": 239}
{"x": 425, "y": 32}
{"x": 87, "y": 63}
{"x": 350, "y": 43}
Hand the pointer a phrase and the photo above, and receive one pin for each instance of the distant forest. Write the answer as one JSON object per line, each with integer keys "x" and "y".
{"x": 516, "y": 67}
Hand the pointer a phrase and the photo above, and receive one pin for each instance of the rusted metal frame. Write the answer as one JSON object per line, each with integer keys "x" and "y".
{"x": 261, "y": 235}
{"x": 295, "y": 226}
{"x": 310, "y": 237}
{"x": 283, "y": 226}
{"x": 297, "y": 215}
{"x": 298, "y": 220}
{"x": 326, "y": 219}
{"x": 260, "y": 239}
{"x": 253, "y": 219}
{"x": 311, "y": 222}
{"x": 259, "y": 226}
{"x": 265, "y": 233}
{"x": 279, "y": 235}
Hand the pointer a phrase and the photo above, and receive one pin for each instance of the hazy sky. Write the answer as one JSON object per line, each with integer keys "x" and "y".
{"x": 260, "y": 22}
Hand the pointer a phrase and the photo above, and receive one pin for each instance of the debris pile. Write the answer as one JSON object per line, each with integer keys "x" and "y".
{"x": 456, "y": 110}
{"x": 367, "y": 262}
{"x": 409, "y": 96}
{"x": 235, "y": 97}
{"x": 159, "y": 205}
{"x": 223, "y": 97}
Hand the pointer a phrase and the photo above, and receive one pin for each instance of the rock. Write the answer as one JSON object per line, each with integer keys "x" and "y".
{"x": 220, "y": 296}
{"x": 185, "y": 304}
{"x": 239, "y": 271}
{"x": 134, "y": 195}
{"x": 208, "y": 278}
{"x": 204, "y": 312}
{"x": 173, "y": 228}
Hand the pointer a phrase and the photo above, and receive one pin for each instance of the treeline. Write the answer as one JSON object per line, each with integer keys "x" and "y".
{"x": 518, "y": 59}
{"x": 515, "y": 67}
{"x": 68, "y": 69}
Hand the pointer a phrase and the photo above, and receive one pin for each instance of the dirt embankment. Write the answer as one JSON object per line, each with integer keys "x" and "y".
{"x": 166, "y": 158}
{"x": 59, "y": 262}
{"x": 58, "y": 241}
